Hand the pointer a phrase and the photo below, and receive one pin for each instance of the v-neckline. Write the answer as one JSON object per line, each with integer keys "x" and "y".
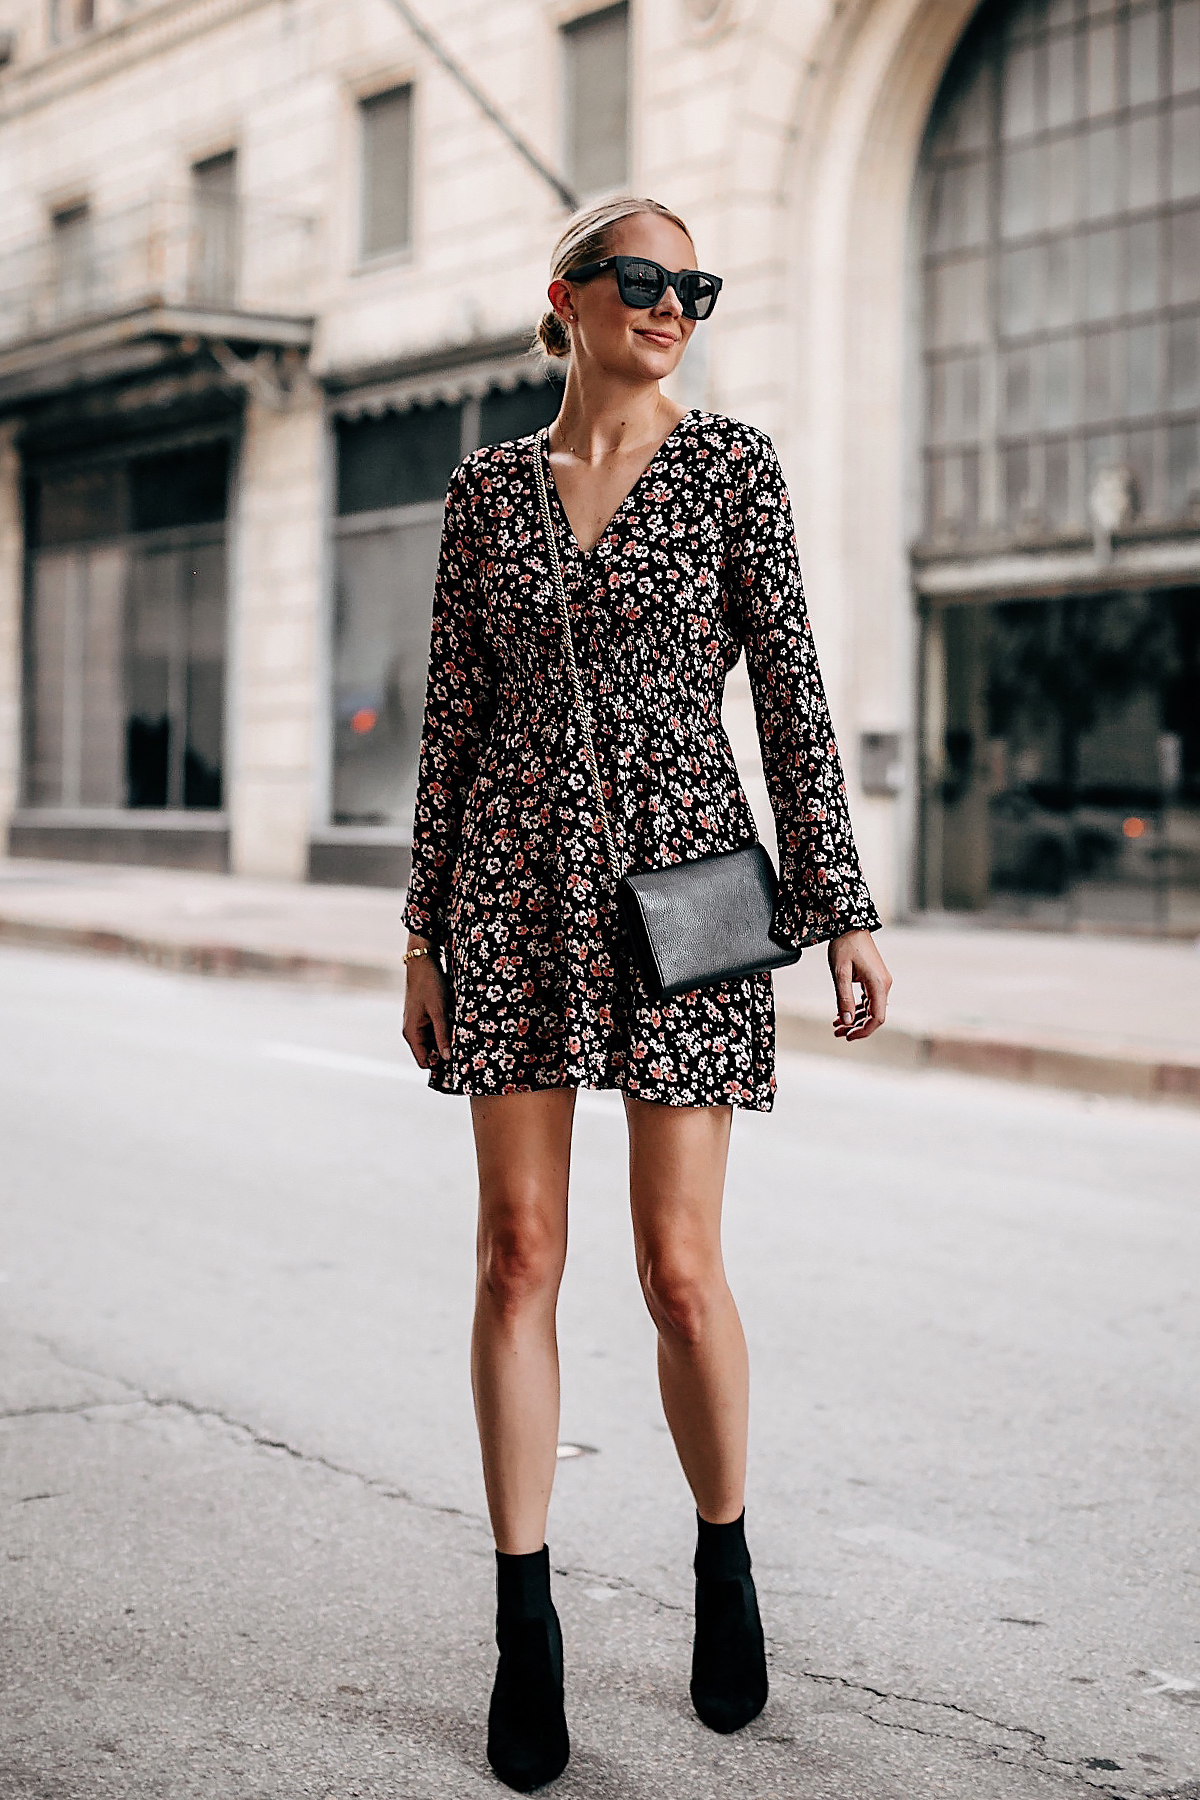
{"x": 576, "y": 546}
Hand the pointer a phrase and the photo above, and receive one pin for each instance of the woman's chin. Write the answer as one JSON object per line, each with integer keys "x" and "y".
{"x": 653, "y": 362}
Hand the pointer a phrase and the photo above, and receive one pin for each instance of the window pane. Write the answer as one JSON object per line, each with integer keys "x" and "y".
{"x": 1021, "y": 192}
{"x": 527, "y": 408}
{"x": 596, "y": 53}
{"x": 1142, "y": 349}
{"x": 399, "y": 459}
{"x": 203, "y": 592}
{"x": 77, "y": 504}
{"x": 1185, "y": 46}
{"x": 1057, "y": 406}
{"x": 101, "y": 698}
{"x": 1144, "y": 36}
{"x": 1183, "y": 257}
{"x": 381, "y": 645}
{"x": 1018, "y": 116}
{"x": 1102, "y": 396}
{"x": 1061, "y": 106}
{"x": 1142, "y": 254}
{"x": 54, "y": 671}
{"x": 1022, "y": 277}
{"x": 1144, "y": 138}
{"x": 153, "y": 678}
{"x": 1185, "y": 151}
{"x": 1100, "y": 162}
{"x": 179, "y": 487}
{"x": 213, "y": 247}
{"x": 386, "y": 133}
{"x": 1100, "y": 275}
{"x": 958, "y": 298}
{"x": 1058, "y": 175}
{"x": 1061, "y": 255}
{"x": 1101, "y": 69}
{"x": 1183, "y": 364}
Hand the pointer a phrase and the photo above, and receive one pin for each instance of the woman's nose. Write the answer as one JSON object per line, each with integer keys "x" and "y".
{"x": 669, "y": 304}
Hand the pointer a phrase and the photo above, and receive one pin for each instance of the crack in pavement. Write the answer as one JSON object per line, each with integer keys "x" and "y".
{"x": 1034, "y": 1741}
{"x": 1031, "y": 1749}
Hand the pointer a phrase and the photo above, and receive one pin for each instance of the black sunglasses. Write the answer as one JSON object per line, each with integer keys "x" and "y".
{"x": 643, "y": 283}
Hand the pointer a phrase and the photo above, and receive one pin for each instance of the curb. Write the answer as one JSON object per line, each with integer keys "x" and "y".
{"x": 1000, "y": 1059}
{"x": 200, "y": 959}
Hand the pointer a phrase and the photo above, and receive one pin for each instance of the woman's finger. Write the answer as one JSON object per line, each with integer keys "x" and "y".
{"x": 843, "y": 985}
{"x": 436, "y": 1013}
{"x": 876, "y": 1000}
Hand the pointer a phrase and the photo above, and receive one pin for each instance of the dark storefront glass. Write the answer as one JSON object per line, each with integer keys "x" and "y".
{"x": 1060, "y": 353}
{"x": 126, "y": 643}
{"x": 1071, "y": 773}
{"x": 391, "y": 484}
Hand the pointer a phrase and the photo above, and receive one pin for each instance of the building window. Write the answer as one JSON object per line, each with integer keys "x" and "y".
{"x": 126, "y": 672}
{"x": 214, "y": 230}
{"x": 1061, "y": 362}
{"x": 386, "y": 163}
{"x": 73, "y": 262}
{"x": 70, "y": 17}
{"x": 391, "y": 485}
{"x": 596, "y": 99}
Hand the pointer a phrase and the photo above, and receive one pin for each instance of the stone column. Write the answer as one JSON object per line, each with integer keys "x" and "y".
{"x": 12, "y": 568}
{"x": 278, "y": 584}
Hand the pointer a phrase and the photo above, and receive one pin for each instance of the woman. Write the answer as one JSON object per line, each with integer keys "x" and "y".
{"x": 675, "y": 533}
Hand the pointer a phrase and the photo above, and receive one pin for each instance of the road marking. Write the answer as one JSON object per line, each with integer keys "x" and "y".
{"x": 343, "y": 1062}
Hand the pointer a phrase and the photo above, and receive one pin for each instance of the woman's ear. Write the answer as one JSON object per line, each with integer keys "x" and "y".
{"x": 559, "y": 296}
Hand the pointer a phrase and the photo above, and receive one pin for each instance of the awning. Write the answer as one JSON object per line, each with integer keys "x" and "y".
{"x": 449, "y": 376}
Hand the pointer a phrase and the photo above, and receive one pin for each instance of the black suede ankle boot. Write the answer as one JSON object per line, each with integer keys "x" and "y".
{"x": 527, "y": 1743}
{"x": 729, "y": 1662}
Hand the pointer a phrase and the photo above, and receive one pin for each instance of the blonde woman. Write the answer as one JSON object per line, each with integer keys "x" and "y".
{"x": 675, "y": 533}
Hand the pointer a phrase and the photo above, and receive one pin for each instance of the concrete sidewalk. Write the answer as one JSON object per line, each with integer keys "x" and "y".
{"x": 1106, "y": 1015}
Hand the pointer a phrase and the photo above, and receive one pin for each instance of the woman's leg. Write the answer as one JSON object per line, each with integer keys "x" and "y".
{"x": 677, "y": 1158}
{"x": 523, "y": 1149}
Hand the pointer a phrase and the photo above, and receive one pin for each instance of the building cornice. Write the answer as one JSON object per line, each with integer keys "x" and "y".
{"x": 111, "y": 49}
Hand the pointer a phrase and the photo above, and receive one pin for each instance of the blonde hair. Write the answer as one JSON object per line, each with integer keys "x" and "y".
{"x": 587, "y": 237}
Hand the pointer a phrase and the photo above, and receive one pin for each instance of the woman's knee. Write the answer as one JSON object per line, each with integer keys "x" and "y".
{"x": 681, "y": 1291}
{"x": 520, "y": 1257}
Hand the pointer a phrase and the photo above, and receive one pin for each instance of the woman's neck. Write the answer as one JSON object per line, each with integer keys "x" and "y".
{"x": 596, "y": 427}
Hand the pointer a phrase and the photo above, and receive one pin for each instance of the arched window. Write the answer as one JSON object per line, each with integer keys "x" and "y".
{"x": 1058, "y": 543}
{"x": 1062, "y": 268}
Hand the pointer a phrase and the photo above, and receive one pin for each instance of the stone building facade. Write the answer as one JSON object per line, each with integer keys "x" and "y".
{"x": 268, "y": 267}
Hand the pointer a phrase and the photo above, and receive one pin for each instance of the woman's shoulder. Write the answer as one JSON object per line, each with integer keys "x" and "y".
{"x": 491, "y": 460}
{"x": 735, "y": 437}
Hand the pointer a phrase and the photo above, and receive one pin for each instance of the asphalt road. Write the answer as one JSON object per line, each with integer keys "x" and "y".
{"x": 243, "y": 1531}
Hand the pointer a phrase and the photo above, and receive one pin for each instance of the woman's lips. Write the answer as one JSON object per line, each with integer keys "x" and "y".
{"x": 657, "y": 337}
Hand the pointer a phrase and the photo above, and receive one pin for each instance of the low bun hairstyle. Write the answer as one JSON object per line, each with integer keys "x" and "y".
{"x": 587, "y": 237}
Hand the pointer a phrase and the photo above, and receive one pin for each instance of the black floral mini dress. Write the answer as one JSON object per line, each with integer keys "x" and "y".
{"x": 509, "y": 875}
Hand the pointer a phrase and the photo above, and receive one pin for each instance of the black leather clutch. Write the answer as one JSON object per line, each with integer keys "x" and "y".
{"x": 695, "y": 923}
{"x": 691, "y": 924}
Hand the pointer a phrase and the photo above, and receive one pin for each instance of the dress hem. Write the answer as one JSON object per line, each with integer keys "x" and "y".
{"x": 458, "y": 1090}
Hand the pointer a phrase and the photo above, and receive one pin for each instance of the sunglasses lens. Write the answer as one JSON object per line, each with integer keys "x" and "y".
{"x": 697, "y": 294}
{"x": 642, "y": 284}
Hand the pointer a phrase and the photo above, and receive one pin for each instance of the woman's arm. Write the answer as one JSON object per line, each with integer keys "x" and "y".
{"x": 460, "y": 701}
{"x": 822, "y": 893}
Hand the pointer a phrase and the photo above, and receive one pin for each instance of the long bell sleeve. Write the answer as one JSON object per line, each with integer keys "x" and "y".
{"x": 822, "y": 892}
{"x": 460, "y": 704}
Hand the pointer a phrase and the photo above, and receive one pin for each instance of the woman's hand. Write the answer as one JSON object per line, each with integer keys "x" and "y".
{"x": 426, "y": 1031}
{"x": 854, "y": 960}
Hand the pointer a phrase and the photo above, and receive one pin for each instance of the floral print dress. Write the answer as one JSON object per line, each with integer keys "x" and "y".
{"x": 696, "y": 566}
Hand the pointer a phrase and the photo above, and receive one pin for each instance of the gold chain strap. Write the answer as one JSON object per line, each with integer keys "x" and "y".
{"x": 581, "y": 706}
